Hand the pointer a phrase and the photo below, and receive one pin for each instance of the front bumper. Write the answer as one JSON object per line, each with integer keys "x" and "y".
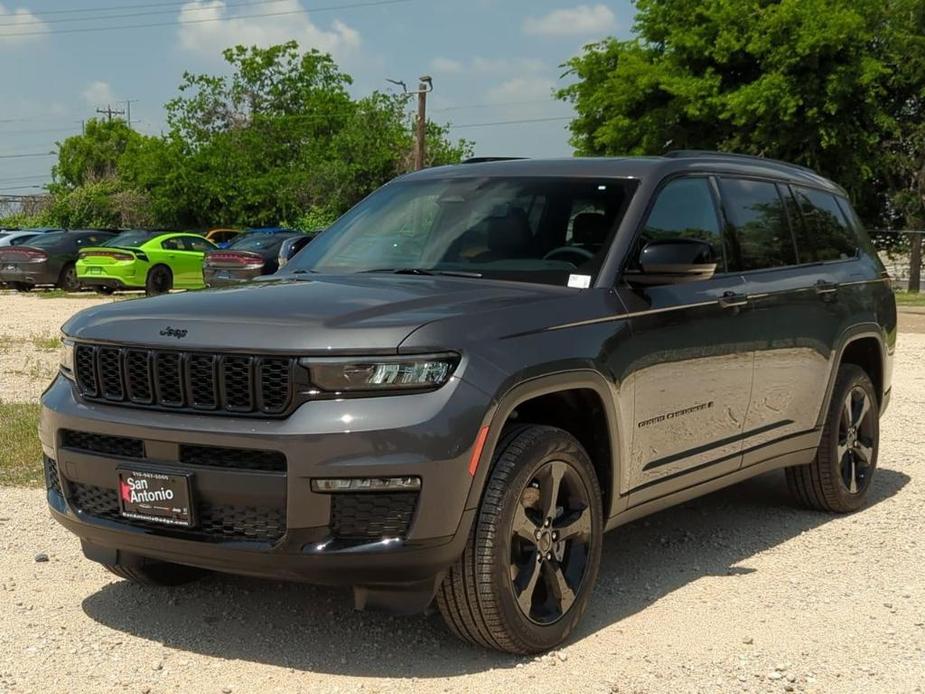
{"x": 426, "y": 435}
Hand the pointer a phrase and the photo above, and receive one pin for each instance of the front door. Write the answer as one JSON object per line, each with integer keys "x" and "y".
{"x": 692, "y": 357}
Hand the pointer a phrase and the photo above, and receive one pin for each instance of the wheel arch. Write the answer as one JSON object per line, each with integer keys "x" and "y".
{"x": 552, "y": 400}
{"x": 864, "y": 346}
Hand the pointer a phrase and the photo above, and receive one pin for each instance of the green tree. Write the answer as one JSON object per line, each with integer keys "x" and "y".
{"x": 94, "y": 155}
{"x": 807, "y": 81}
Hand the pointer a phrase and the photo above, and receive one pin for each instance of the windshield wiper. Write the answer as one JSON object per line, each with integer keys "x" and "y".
{"x": 422, "y": 271}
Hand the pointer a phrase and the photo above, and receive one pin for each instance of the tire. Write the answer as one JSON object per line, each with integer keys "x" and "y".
{"x": 156, "y": 573}
{"x": 67, "y": 280}
{"x": 839, "y": 478}
{"x": 478, "y": 596}
{"x": 159, "y": 280}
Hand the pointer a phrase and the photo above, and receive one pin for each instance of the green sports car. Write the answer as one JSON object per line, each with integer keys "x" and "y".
{"x": 155, "y": 261}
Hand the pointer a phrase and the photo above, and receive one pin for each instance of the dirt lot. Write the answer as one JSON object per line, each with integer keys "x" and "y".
{"x": 735, "y": 592}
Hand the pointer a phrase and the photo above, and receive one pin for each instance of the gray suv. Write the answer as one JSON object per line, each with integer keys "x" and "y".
{"x": 459, "y": 386}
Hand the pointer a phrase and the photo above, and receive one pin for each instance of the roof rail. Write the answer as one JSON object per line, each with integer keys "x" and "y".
{"x": 695, "y": 153}
{"x": 482, "y": 160}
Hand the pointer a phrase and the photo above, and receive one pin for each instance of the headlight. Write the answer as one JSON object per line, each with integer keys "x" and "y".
{"x": 373, "y": 375}
{"x": 67, "y": 357}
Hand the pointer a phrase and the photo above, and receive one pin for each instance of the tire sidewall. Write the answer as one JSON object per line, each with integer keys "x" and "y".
{"x": 69, "y": 281}
{"x": 150, "y": 288}
{"x": 553, "y": 445}
{"x": 851, "y": 377}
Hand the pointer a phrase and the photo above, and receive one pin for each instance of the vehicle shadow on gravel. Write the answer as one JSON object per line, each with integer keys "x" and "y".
{"x": 311, "y": 628}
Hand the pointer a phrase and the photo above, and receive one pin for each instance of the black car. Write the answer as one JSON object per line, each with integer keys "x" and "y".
{"x": 457, "y": 388}
{"x": 47, "y": 260}
{"x": 250, "y": 256}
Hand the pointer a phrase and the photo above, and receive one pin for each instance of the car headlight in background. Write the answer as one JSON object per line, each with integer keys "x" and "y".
{"x": 425, "y": 372}
{"x": 67, "y": 357}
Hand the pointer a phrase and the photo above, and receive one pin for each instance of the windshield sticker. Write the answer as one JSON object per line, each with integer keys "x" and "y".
{"x": 579, "y": 281}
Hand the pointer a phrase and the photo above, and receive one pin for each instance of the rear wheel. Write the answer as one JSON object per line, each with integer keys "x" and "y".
{"x": 68, "y": 279}
{"x": 526, "y": 574}
{"x": 156, "y": 573}
{"x": 159, "y": 280}
{"x": 839, "y": 478}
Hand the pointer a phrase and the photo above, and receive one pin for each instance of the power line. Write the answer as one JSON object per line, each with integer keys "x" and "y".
{"x": 31, "y": 154}
{"x": 509, "y": 122}
{"x": 243, "y": 3}
{"x": 110, "y": 8}
{"x": 494, "y": 105}
{"x": 333, "y": 8}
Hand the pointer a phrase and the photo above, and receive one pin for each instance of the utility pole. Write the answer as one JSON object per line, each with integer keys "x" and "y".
{"x": 425, "y": 86}
{"x": 109, "y": 112}
{"x": 128, "y": 111}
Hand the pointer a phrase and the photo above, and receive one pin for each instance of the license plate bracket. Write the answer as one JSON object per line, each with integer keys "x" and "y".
{"x": 156, "y": 496}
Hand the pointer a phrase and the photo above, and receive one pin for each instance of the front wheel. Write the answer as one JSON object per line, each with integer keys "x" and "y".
{"x": 525, "y": 577}
{"x": 159, "y": 281}
{"x": 839, "y": 478}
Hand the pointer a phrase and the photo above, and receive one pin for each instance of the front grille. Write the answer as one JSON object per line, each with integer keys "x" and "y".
{"x": 52, "y": 481}
{"x": 234, "y": 458}
{"x": 100, "y": 443}
{"x": 215, "y": 522}
{"x": 371, "y": 516}
{"x": 172, "y": 380}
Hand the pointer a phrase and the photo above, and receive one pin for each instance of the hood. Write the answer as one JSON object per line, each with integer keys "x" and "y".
{"x": 323, "y": 314}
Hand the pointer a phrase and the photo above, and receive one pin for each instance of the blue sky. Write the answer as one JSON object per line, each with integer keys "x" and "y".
{"x": 491, "y": 60}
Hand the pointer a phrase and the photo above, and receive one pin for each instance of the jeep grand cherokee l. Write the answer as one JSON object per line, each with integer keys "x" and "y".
{"x": 456, "y": 389}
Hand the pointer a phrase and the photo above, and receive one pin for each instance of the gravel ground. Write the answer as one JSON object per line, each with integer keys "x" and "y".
{"x": 734, "y": 592}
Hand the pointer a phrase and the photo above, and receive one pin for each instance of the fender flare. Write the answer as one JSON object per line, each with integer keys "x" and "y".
{"x": 852, "y": 334}
{"x": 499, "y": 413}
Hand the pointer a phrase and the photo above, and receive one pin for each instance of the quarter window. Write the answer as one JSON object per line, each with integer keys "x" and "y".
{"x": 761, "y": 233}
{"x": 685, "y": 209}
{"x": 825, "y": 233}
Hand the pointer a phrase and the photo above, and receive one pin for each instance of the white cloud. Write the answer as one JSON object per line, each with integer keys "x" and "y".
{"x": 572, "y": 21}
{"x": 19, "y": 26}
{"x": 506, "y": 65}
{"x": 223, "y": 29}
{"x": 446, "y": 65}
{"x": 99, "y": 93}
{"x": 519, "y": 89}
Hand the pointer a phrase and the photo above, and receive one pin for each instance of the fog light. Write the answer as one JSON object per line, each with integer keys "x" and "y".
{"x": 367, "y": 484}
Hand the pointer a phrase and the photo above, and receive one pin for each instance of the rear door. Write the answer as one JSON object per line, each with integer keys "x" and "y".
{"x": 792, "y": 277}
{"x": 691, "y": 360}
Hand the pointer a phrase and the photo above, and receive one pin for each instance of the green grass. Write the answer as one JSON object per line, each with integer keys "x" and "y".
{"x": 46, "y": 344}
{"x": 907, "y": 299}
{"x": 20, "y": 450}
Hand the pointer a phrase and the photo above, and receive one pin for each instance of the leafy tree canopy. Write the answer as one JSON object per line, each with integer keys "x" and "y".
{"x": 278, "y": 139}
{"x": 824, "y": 83}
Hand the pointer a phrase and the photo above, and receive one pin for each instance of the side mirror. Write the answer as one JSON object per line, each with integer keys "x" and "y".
{"x": 674, "y": 261}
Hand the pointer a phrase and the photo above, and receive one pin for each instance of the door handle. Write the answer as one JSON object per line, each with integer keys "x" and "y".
{"x": 732, "y": 300}
{"x": 822, "y": 287}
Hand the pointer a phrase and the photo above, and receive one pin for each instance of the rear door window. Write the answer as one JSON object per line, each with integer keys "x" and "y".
{"x": 824, "y": 233}
{"x": 685, "y": 209}
{"x": 760, "y": 231}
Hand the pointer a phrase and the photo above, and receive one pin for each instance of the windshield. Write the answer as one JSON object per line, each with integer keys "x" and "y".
{"x": 258, "y": 242}
{"x": 48, "y": 240}
{"x": 130, "y": 239}
{"x": 525, "y": 229}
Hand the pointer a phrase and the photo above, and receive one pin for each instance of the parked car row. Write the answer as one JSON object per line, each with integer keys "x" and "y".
{"x": 156, "y": 261}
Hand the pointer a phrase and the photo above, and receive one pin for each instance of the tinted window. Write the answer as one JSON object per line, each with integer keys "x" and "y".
{"x": 761, "y": 233}
{"x": 195, "y": 243}
{"x": 130, "y": 239}
{"x": 19, "y": 240}
{"x": 825, "y": 233}
{"x": 258, "y": 242}
{"x": 685, "y": 209}
{"x": 49, "y": 240}
{"x": 172, "y": 244}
